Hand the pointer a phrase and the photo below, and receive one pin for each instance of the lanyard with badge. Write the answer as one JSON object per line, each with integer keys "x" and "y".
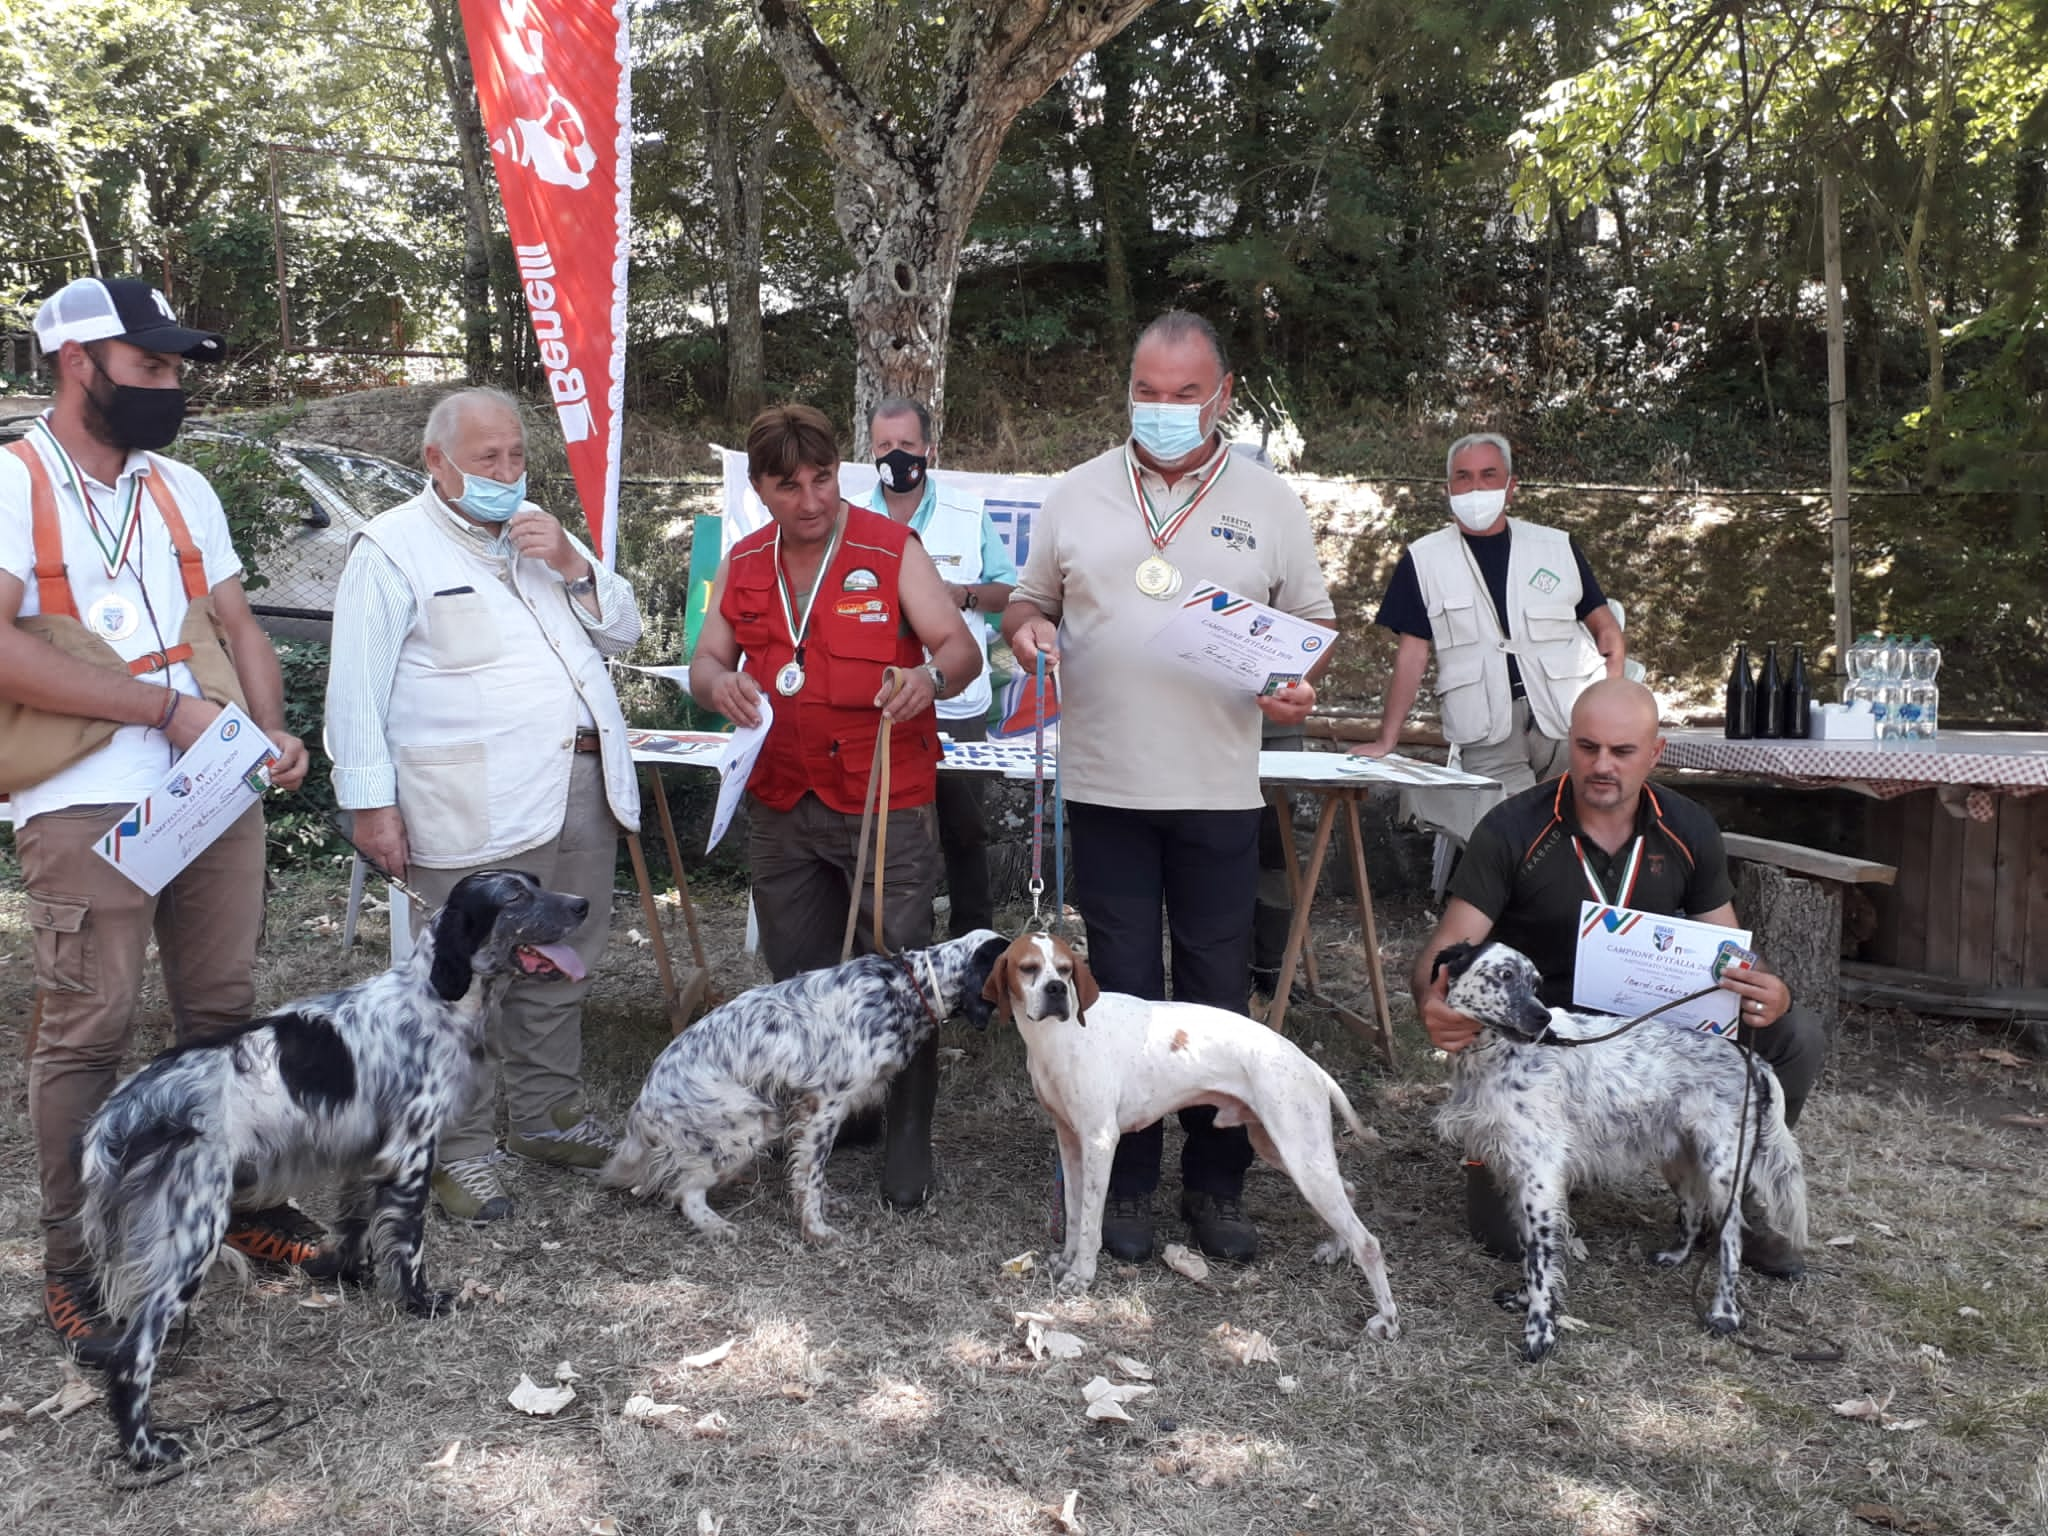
{"x": 1157, "y": 576}
{"x": 110, "y": 616}
{"x": 790, "y": 680}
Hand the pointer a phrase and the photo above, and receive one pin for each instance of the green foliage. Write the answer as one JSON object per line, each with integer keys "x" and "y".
{"x": 300, "y": 824}
{"x": 262, "y": 498}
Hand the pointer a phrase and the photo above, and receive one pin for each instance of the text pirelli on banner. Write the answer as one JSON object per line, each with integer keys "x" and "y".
{"x": 551, "y": 76}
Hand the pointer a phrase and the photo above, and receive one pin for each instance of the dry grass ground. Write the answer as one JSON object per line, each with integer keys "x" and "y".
{"x": 885, "y": 1387}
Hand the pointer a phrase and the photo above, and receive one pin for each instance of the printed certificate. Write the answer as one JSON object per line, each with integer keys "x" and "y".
{"x": 1241, "y": 644}
{"x": 220, "y": 776}
{"x": 736, "y": 766}
{"x": 1630, "y": 962}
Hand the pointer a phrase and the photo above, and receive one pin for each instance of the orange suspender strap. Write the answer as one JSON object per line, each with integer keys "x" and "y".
{"x": 191, "y": 565}
{"x": 53, "y": 582}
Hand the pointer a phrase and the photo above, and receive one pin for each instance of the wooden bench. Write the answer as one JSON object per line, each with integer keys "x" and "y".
{"x": 1790, "y": 897}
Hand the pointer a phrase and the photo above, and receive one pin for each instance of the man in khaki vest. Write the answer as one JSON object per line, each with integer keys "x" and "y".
{"x": 123, "y": 629}
{"x": 473, "y": 726}
{"x": 1516, "y": 618}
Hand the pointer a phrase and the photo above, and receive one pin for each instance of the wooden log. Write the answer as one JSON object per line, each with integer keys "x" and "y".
{"x": 1798, "y": 928}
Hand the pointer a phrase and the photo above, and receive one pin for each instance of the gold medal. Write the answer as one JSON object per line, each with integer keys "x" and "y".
{"x": 1158, "y": 577}
{"x": 790, "y": 680}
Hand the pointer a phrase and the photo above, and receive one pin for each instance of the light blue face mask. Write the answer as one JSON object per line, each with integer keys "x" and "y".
{"x": 492, "y": 500}
{"x": 1169, "y": 431}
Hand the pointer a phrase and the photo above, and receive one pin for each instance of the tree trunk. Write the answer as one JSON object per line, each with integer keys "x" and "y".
{"x": 483, "y": 269}
{"x": 1797, "y": 925}
{"x": 1109, "y": 164}
{"x": 739, "y": 169}
{"x": 900, "y": 301}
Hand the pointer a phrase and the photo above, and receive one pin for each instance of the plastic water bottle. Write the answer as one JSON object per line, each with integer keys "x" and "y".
{"x": 1926, "y": 693}
{"x": 1907, "y": 715}
{"x": 1858, "y": 661}
{"x": 1883, "y": 693}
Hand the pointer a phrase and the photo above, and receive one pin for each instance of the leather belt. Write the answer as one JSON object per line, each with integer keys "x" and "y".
{"x": 159, "y": 661}
{"x": 589, "y": 741}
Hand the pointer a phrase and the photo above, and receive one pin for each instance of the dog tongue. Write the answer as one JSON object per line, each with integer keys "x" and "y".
{"x": 562, "y": 958}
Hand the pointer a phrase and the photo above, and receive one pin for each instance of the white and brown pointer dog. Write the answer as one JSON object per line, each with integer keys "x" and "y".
{"x": 354, "y": 1085}
{"x": 1104, "y": 1063}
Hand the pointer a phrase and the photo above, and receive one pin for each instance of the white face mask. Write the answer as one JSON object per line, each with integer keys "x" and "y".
{"x": 1479, "y": 509}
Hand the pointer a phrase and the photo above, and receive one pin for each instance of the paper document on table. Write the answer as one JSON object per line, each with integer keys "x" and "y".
{"x": 1630, "y": 962}
{"x": 220, "y": 776}
{"x": 1240, "y": 643}
{"x": 736, "y": 766}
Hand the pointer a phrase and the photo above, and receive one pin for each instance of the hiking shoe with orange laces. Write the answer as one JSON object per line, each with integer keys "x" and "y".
{"x": 72, "y": 1308}
{"x": 284, "y": 1237}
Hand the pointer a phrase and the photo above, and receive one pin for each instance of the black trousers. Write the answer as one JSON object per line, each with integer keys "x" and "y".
{"x": 1201, "y": 869}
{"x": 963, "y": 839}
{"x": 1273, "y": 911}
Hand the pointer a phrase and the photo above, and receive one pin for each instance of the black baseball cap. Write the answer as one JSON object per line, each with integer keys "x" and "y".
{"x": 121, "y": 309}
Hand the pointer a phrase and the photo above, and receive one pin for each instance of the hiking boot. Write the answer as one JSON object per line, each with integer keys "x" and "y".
{"x": 576, "y": 1140}
{"x": 1219, "y": 1226}
{"x": 1767, "y": 1253}
{"x": 72, "y": 1308}
{"x": 907, "y": 1154}
{"x": 1127, "y": 1228}
{"x": 469, "y": 1189}
{"x": 284, "y": 1237}
{"x": 1489, "y": 1218}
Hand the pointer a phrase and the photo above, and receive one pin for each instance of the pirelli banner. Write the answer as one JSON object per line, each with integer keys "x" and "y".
{"x": 552, "y": 78}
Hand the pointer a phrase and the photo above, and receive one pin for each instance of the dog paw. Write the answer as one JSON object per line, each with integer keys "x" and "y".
{"x": 1383, "y": 1326}
{"x": 430, "y": 1303}
{"x": 1328, "y": 1251}
{"x": 819, "y": 1235}
{"x": 1537, "y": 1343}
{"x": 1670, "y": 1258}
{"x": 718, "y": 1231}
{"x": 1512, "y": 1298}
{"x": 1073, "y": 1279}
{"x": 149, "y": 1450}
{"x": 1721, "y": 1324}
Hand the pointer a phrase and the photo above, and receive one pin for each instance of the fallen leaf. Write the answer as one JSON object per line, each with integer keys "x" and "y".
{"x": 1288, "y": 1386}
{"x": 6, "y": 1434}
{"x": 319, "y": 1300}
{"x": 641, "y": 1408}
{"x": 707, "y": 1523}
{"x": 1063, "y": 1346}
{"x": 542, "y": 1402}
{"x": 2004, "y": 1058}
{"x": 567, "y": 1372}
{"x": 1108, "y": 1408}
{"x": 712, "y": 1426}
{"x": 1245, "y": 1347}
{"x": 73, "y": 1394}
{"x": 1137, "y": 1369}
{"x": 1897, "y": 1424}
{"x": 1101, "y": 1389}
{"x": 476, "y": 1290}
{"x": 2033, "y": 1122}
{"x": 10, "y": 1408}
{"x": 1891, "y": 1519}
{"x": 1572, "y": 1324}
{"x": 1842, "y": 1242}
{"x": 1064, "y": 1517}
{"x": 1867, "y": 1409}
{"x": 711, "y": 1356}
{"x": 1023, "y": 1264}
{"x": 547, "y": 1247}
{"x": 603, "y": 1525}
{"x": 635, "y": 936}
{"x": 1968, "y": 1312}
{"x": 445, "y": 1462}
{"x": 1184, "y": 1261}
{"x": 1882, "y": 1230}
{"x": 1934, "y": 1352}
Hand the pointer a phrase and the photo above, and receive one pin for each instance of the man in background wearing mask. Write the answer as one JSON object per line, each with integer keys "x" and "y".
{"x": 123, "y": 632}
{"x": 1161, "y": 766}
{"x": 963, "y": 543}
{"x": 1518, "y": 621}
{"x": 473, "y": 726}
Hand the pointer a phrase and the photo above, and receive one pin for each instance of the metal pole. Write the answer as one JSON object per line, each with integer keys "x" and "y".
{"x": 284, "y": 301}
{"x": 1838, "y": 418}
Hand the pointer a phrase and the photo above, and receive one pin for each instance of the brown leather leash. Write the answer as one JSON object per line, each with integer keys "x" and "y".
{"x": 877, "y": 792}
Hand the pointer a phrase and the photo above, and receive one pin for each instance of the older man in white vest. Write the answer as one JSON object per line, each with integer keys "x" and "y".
{"x": 473, "y": 725}
{"x": 1516, "y": 617}
{"x": 956, "y": 532}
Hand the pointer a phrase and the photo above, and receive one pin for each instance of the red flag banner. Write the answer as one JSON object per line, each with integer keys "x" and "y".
{"x": 552, "y": 78}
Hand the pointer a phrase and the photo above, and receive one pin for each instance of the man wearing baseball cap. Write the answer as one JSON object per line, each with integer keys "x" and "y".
{"x": 123, "y": 632}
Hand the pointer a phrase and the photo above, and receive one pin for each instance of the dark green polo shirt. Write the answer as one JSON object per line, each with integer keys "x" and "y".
{"x": 1521, "y": 870}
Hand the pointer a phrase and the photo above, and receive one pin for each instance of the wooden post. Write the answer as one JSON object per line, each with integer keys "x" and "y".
{"x": 1838, "y": 419}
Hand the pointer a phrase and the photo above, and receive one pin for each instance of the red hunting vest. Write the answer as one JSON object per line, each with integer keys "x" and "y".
{"x": 823, "y": 740}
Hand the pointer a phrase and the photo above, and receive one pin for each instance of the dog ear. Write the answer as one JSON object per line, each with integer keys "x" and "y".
{"x": 463, "y": 923}
{"x": 1456, "y": 958}
{"x": 996, "y": 990}
{"x": 1085, "y": 990}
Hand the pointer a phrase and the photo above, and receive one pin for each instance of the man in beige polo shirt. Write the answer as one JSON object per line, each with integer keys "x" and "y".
{"x": 1161, "y": 765}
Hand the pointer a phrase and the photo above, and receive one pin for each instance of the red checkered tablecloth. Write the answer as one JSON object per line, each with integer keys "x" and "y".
{"x": 1975, "y": 765}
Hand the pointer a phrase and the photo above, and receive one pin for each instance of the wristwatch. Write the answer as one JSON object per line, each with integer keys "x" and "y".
{"x": 938, "y": 679}
{"x": 966, "y": 598}
{"x": 587, "y": 582}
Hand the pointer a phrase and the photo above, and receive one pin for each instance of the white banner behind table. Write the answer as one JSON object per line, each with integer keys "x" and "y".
{"x": 206, "y": 791}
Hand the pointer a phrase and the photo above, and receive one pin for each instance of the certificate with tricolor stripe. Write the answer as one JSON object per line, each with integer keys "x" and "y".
{"x": 219, "y": 777}
{"x": 1238, "y": 643}
{"x": 1629, "y": 962}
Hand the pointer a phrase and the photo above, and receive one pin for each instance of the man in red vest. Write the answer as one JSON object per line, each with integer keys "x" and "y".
{"x": 807, "y": 615}
{"x": 119, "y": 559}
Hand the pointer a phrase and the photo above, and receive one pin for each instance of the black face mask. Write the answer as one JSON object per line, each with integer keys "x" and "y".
{"x": 902, "y": 470}
{"x": 138, "y": 418}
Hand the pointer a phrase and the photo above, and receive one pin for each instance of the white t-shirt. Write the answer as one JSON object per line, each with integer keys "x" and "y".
{"x": 131, "y": 764}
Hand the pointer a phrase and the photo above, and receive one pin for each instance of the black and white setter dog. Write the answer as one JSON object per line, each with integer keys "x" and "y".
{"x": 355, "y": 1085}
{"x": 1545, "y": 1114}
{"x": 809, "y": 1051}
